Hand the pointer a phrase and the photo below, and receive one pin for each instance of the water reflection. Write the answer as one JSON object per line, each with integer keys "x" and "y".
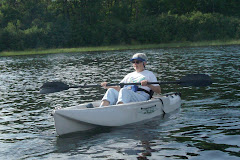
{"x": 207, "y": 126}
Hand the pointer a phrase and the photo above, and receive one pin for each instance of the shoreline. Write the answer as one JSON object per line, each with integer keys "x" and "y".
{"x": 120, "y": 47}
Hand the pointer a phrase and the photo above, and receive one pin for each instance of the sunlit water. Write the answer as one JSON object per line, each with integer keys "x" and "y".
{"x": 207, "y": 127}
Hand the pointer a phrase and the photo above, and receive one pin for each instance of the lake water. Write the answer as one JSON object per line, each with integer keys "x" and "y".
{"x": 207, "y": 127}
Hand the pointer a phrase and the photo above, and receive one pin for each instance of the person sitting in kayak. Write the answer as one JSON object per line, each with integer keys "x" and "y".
{"x": 132, "y": 93}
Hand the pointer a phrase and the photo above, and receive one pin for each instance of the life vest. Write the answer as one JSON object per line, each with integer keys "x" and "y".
{"x": 135, "y": 88}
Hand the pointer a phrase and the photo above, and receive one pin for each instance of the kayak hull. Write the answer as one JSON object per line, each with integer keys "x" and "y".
{"x": 81, "y": 118}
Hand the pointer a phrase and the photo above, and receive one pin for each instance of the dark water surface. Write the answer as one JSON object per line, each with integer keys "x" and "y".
{"x": 207, "y": 127}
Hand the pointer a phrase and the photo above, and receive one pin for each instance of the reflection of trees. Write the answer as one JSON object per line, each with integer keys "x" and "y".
{"x": 147, "y": 150}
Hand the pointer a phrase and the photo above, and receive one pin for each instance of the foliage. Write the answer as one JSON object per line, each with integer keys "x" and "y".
{"x": 66, "y": 23}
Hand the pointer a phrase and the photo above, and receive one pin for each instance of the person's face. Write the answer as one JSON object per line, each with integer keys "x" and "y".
{"x": 138, "y": 65}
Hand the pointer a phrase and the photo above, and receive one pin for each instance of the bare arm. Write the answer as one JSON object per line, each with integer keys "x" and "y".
{"x": 156, "y": 89}
{"x": 104, "y": 85}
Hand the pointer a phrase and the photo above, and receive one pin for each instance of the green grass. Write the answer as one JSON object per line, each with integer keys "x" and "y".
{"x": 120, "y": 47}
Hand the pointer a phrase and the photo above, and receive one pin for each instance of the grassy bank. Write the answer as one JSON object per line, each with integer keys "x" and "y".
{"x": 120, "y": 47}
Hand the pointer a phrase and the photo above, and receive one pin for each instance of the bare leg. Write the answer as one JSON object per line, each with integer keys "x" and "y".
{"x": 104, "y": 103}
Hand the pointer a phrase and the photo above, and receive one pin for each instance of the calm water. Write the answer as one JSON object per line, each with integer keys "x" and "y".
{"x": 207, "y": 127}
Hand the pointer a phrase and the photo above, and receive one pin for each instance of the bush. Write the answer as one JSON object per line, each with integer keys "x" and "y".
{"x": 195, "y": 26}
{"x": 212, "y": 26}
{"x": 164, "y": 28}
{"x": 11, "y": 38}
{"x": 33, "y": 37}
{"x": 115, "y": 32}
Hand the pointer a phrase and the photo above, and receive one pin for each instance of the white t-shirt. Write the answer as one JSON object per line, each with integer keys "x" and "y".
{"x": 137, "y": 77}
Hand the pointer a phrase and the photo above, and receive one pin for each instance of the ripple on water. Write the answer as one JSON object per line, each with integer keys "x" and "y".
{"x": 207, "y": 127}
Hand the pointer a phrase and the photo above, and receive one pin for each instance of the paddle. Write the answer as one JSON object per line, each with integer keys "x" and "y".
{"x": 196, "y": 80}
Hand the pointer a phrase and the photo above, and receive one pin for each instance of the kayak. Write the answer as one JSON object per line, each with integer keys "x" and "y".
{"x": 89, "y": 115}
{"x": 83, "y": 118}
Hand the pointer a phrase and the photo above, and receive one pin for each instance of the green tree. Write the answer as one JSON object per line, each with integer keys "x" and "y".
{"x": 74, "y": 23}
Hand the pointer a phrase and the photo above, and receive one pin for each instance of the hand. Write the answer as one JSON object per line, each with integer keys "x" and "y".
{"x": 144, "y": 83}
{"x": 104, "y": 85}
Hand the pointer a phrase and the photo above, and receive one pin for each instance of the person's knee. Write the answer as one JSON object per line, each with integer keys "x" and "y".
{"x": 112, "y": 90}
{"x": 124, "y": 90}
{"x": 111, "y": 96}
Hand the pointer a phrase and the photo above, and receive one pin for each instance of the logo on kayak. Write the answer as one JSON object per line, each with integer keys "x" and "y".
{"x": 149, "y": 110}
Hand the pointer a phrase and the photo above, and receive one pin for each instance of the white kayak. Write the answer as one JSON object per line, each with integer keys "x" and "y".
{"x": 81, "y": 118}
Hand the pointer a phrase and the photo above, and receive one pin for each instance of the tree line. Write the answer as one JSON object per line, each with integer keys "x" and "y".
{"x": 75, "y": 23}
